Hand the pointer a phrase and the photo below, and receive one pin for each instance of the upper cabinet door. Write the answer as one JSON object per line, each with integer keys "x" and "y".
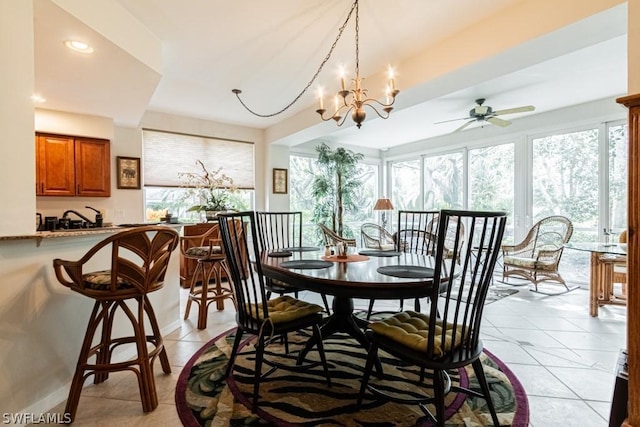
{"x": 93, "y": 172}
{"x": 55, "y": 165}
{"x": 72, "y": 166}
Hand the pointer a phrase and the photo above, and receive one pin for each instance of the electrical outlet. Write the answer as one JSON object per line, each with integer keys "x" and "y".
{"x": 118, "y": 213}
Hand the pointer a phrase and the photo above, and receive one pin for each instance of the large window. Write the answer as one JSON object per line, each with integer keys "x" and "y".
{"x": 302, "y": 171}
{"x": 618, "y": 146}
{"x": 443, "y": 181}
{"x": 405, "y": 184}
{"x": 491, "y": 181}
{"x": 168, "y": 155}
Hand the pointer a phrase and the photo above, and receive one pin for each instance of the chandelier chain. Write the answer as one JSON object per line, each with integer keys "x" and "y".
{"x": 322, "y": 64}
{"x": 357, "y": 40}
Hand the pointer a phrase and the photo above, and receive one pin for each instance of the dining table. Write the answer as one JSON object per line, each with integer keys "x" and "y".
{"x": 603, "y": 256}
{"x": 361, "y": 274}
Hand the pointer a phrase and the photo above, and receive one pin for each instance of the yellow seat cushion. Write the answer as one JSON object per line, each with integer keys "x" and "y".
{"x": 410, "y": 329}
{"x": 286, "y": 309}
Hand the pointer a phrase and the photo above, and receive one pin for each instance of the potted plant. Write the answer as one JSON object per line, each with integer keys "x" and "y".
{"x": 334, "y": 187}
{"x": 211, "y": 188}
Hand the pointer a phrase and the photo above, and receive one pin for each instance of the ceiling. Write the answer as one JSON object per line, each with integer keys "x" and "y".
{"x": 271, "y": 49}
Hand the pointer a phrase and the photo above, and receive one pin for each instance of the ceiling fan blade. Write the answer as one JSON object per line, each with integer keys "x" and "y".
{"x": 515, "y": 110}
{"x": 464, "y": 125}
{"x": 453, "y": 120}
{"x": 498, "y": 122}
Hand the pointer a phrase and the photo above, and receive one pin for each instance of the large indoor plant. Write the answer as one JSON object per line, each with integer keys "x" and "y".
{"x": 334, "y": 186}
{"x": 212, "y": 190}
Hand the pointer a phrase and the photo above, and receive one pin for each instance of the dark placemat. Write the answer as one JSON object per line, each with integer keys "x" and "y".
{"x": 306, "y": 263}
{"x": 280, "y": 254}
{"x": 379, "y": 253}
{"x": 406, "y": 271}
{"x": 302, "y": 248}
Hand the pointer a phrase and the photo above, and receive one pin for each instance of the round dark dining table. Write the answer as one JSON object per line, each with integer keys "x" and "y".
{"x": 357, "y": 276}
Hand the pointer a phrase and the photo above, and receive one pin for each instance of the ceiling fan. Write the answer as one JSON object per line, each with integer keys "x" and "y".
{"x": 484, "y": 113}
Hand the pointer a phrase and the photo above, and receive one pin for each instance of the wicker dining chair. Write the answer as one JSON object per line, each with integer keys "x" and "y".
{"x": 257, "y": 315}
{"x": 537, "y": 257}
{"x": 448, "y": 336}
{"x": 281, "y": 230}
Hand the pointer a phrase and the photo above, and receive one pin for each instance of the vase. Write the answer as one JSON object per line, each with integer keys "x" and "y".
{"x": 211, "y": 215}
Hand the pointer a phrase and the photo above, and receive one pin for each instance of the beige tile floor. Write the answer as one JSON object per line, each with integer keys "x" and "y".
{"x": 564, "y": 358}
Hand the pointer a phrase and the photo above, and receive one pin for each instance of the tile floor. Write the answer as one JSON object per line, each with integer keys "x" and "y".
{"x": 564, "y": 358}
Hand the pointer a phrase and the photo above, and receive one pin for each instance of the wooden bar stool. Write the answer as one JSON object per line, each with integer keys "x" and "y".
{"x": 206, "y": 250}
{"x": 139, "y": 260}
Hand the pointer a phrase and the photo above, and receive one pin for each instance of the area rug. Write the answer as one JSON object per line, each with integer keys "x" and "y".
{"x": 204, "y": 398}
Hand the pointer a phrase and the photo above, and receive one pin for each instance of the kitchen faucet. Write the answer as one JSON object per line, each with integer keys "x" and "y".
{"x": 66, "y": 213}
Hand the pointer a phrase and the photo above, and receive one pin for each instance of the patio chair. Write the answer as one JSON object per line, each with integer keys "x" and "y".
{"x": 376, "y": 237}
{"x": 448, "y": 336}
{"x": 537, "y": 257}
{"x": 331, "y": 238}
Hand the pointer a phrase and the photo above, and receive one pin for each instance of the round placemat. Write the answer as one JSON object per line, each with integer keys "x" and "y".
{"x": 306, "y": 264}
{"x": 280, "y": 254}
{"x": 374, "y": 252}
{"x": 302, "y": 248}
{"x": 406, "y": 271}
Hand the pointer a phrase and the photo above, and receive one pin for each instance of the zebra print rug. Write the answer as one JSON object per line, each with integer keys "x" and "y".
{"x": 204, "y": 398}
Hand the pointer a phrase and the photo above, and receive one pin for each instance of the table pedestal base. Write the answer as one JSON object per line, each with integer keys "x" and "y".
{"x": 343, "y": 320}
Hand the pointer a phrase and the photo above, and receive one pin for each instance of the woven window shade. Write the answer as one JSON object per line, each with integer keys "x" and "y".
{"x": 166, "y": 155}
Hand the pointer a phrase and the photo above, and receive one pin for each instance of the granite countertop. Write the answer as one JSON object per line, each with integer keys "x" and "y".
{"x": 39, "y": 235}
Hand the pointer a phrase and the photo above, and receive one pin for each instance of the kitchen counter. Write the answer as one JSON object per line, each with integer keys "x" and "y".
{"x": 40, "y": 235}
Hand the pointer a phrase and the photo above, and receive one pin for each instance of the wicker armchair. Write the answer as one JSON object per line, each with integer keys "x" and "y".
{"x": 537, "y": 257}
{"x": 331, "y": 238}
{"x": 376, "y": 237}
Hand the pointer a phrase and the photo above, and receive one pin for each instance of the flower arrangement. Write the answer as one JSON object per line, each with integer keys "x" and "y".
{"x": 212, "y": 188}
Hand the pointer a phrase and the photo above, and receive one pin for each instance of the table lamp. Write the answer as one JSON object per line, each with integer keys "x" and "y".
{"x": 383, "y": 205}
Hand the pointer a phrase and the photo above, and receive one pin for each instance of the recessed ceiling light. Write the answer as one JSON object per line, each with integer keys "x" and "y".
{"x": 38, "y": 98}
{"x": 78, "y": 46}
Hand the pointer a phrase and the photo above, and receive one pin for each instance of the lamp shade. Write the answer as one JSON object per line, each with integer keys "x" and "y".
{"x": 383, "y": 205}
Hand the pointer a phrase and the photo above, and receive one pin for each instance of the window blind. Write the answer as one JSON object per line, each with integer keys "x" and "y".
{"x": 167, "y": 154}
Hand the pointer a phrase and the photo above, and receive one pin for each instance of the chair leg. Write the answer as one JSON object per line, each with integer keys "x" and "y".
{"x": 192, "y": 288}
{"x": 438, "y": 394}
{"x": 164, "y": 359}
{"x": 416, "y": 305}
{"x": 103, "y": 351}
{"x": 324, "y": 300}
{"x": 257, "y": 372}
{"x": 371, "y": 358}
{"x": 482, "y": 380}
{"x": 370, "y": 311}
{"x": 97, "y": 316}
{"x": 323, "y": 358}
{"x": 234, "y": 352}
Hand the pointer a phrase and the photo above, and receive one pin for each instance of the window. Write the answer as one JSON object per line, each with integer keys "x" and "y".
{"x": 618, "y": 146}
{"x": 302, "y": 171}
{"x": 406, "y": 185}
{"x": 167, "y": 155}
{"x": 443, "y": 182}
{"x": 491, "y": 181}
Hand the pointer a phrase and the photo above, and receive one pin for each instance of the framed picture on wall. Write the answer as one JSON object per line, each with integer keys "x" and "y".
{"x": 128, "y": 172}
{"x": 280, "y": 181}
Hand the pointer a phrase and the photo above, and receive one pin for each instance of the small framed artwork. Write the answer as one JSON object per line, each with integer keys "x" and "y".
{"x": 128, "y": 172}
{"x": 280, "y": 181}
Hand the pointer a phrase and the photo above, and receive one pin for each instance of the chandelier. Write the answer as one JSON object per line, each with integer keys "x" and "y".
{"x": 345, "y": 101}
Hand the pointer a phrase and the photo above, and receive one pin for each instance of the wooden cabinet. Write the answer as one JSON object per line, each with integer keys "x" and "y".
{"x": 72, "y": 166}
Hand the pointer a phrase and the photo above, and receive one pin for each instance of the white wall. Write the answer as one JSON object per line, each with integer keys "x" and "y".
{"x": 17, "y": 168}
